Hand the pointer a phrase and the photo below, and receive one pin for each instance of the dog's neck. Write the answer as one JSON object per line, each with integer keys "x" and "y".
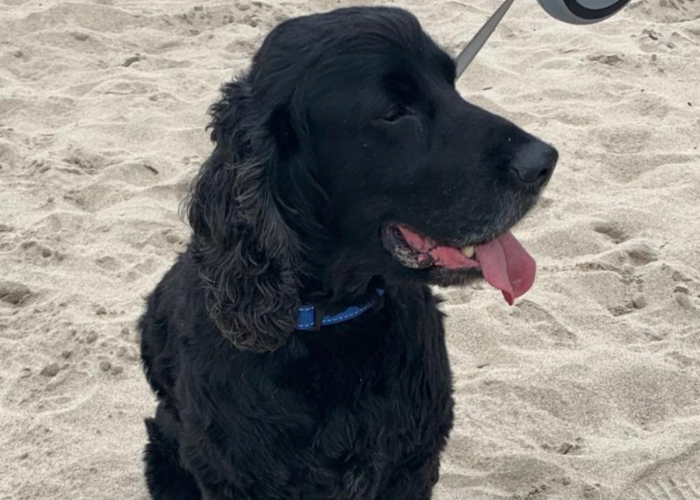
{"x": 339, "y": 294}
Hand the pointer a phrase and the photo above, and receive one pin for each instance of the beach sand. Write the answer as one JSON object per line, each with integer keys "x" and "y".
{"x": 589, "y": 388}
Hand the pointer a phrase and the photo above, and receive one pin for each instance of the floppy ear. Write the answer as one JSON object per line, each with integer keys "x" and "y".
{"x": 247, "y": 256}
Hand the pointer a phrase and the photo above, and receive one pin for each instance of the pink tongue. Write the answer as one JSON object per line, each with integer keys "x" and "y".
{"x": 506, "y": 265}
{"x": 504, "y": 262}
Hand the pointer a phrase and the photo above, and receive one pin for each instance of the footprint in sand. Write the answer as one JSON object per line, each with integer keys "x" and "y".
{"x": 612, "y": 230}
{"x": 676, "y": 478}
{"x": 634, "y": 252}
{"x": 14, "y": 293}
{"x": 48, "y": 387}
{"x": 545, "y": 323}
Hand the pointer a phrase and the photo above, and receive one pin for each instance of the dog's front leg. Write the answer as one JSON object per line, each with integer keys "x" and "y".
{"x": 414, "y": 481}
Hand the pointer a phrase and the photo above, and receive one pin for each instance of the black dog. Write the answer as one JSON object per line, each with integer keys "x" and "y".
{"x": 348, "y": 175}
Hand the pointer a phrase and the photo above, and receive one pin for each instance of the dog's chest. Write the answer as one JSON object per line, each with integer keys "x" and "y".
{"x": 379, "y": 403}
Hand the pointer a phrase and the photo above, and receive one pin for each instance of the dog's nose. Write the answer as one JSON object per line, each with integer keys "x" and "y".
{"x": 533, "y": 165}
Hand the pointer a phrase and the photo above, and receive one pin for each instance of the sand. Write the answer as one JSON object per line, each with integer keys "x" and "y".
{"x": 589, "y": 388}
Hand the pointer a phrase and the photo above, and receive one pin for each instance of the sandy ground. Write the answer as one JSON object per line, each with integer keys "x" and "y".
{"x": 588, "y": 389}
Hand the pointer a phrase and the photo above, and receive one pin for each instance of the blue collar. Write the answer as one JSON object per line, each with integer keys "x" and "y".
{"x": 312, "y": 318}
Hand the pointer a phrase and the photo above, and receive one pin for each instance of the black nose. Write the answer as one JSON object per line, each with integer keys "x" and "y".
{"x": 533, "y": 164}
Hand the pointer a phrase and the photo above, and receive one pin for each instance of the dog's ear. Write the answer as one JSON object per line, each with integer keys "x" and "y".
{"x": 247, "y": 256}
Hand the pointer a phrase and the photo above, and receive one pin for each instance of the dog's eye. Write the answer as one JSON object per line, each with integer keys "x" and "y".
{"x": 396, "y": 113}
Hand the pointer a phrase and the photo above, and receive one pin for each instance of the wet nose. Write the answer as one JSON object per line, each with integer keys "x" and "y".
{"x": 533, "y": 165}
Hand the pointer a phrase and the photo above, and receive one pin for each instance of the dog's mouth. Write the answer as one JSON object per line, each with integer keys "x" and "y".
{"x": 503, "y": 261}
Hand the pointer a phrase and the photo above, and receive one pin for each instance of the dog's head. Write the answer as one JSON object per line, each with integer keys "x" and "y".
{"x": 346, "y": 157}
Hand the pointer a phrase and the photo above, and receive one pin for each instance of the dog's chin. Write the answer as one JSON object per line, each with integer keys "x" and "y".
{"x": 453, "y": 277}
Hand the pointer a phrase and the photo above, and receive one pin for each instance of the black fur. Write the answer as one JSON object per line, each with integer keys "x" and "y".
{"x": 346, "y": 122}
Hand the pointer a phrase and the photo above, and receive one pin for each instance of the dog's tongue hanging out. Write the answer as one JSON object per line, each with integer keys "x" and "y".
{"x": 504, "y": 262}
{"x": 506, "y": 265}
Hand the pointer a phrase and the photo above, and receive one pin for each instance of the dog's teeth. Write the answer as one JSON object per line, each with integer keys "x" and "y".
{"x": 468, "y": 252}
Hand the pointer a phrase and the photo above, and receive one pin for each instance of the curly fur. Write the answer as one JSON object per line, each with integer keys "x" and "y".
{"x": 247, "y": 256}
{"x": 345, "y": 122}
